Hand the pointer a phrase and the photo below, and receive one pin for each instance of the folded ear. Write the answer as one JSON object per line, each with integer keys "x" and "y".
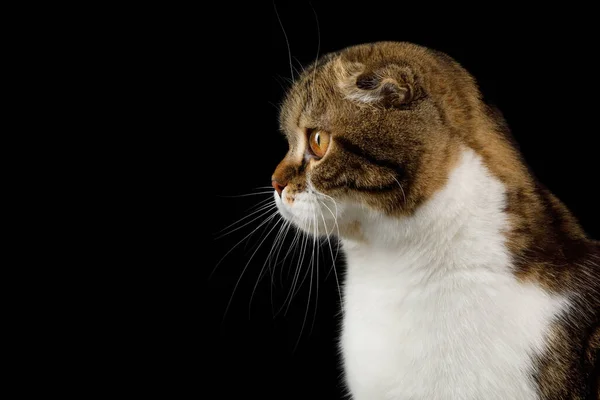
{"x": 391, "y": 86}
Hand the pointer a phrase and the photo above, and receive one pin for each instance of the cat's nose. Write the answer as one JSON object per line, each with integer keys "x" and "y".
{"x": 278, "y": 187}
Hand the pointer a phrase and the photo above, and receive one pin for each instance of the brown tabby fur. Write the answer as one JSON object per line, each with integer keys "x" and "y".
{"x": 398, "y": 115}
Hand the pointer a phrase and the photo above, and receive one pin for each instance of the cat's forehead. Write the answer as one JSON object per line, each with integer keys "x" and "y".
{"x": 312, "y": 95}
{"x": 316, "y": 99}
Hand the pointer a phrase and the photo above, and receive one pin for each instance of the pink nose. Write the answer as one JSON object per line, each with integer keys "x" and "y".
{"x": 278, "y": 187}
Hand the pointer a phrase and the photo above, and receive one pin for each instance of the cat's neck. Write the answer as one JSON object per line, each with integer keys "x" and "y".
{"x": 462, "y": 226}
{"x": 482, "y": 217}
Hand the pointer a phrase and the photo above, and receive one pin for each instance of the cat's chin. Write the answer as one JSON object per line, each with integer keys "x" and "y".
{"x": 312, "y": 213}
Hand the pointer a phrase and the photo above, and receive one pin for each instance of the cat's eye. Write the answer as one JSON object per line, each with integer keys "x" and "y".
{"x": 319, "y": 143}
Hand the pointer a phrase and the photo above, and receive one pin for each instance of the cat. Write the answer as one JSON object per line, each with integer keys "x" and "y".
{"x": 466, "y": 278}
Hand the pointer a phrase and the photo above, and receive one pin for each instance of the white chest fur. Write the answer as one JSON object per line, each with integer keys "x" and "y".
{"x": 431, "y": 308}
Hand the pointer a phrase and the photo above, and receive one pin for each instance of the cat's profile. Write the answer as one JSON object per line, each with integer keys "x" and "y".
{"x": 466, "y": 278}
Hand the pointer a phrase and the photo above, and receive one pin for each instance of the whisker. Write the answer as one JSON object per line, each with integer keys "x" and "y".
{"x": 333, "y": 266}
{"x": 300, "y": 65}
{"x": 318, "y": 50}
{"x": 317, "y": 273}
{"x": 311, "y": 266}
{"x": 262, "y": 208}
{"x": 291, "y": 294}
{"x": 310, "y": 262}
{"x": 292, "y": 249}
{"x": 402, "y": 189}
{"x": 247, "y": 195}
{"x": 240, "y": 242}
{"x": 278, "y": 237}
{"x": 259, "y": 204}
{"x": 286, "y": 226}
{"x": 279, "y": 242}
{"x": 282, "y": 81}
{"x": 336, "y": 224}
{"x": 286, "y": 40}
{"x": 266, "y": 210}
{"x": 260, "y": 238}
{"x": 260, "y": 275}
{"x": 314, "y": 245}
{"x": 246, "y": 267}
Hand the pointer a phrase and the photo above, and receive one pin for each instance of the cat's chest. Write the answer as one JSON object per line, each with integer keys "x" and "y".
{"x": 470, "y": 336}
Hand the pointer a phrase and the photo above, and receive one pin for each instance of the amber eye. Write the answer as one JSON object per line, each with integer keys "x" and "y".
{"x": 319, "y": 142}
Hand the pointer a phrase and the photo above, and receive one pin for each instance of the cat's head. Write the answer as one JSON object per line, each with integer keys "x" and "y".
{"x": 373, "y": 131}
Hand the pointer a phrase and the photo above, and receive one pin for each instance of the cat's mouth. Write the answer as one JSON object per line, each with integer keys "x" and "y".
{"x": 311, "y": 212}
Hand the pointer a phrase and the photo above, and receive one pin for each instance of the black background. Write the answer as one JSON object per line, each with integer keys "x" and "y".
{"x": 538, "y": 68}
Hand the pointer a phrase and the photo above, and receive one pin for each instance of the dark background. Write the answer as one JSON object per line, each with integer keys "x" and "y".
{"x": 539, "y": 69}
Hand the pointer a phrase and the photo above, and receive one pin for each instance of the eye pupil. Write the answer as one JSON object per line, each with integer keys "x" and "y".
{"x": 318, "y": 139}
